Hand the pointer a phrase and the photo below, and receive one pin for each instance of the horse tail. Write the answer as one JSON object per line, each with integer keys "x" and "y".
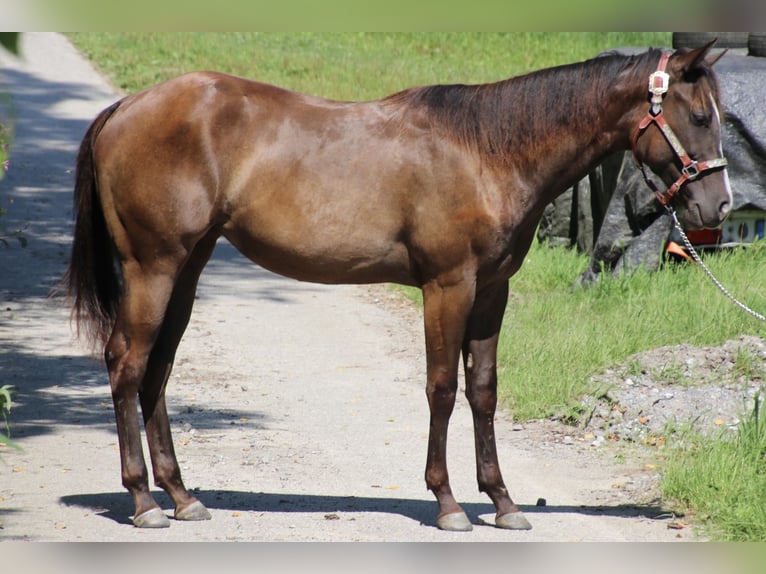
{"x": 93, "y": 280}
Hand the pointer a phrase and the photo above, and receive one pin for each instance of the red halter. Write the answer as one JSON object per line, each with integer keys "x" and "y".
{"x": 658, "y": 87}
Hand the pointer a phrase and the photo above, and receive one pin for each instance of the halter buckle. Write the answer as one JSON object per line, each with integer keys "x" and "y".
{"x": 691, "y": 171}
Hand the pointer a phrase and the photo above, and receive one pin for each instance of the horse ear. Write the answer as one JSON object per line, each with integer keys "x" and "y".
{"x": 711, "y": 59}
{"x": 686, "y": 62}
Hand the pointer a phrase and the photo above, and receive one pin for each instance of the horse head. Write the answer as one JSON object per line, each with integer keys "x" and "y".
{"x": 679, "y": 137}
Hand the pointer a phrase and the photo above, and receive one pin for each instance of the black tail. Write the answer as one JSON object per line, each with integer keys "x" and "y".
{"x": 93, "y": 278}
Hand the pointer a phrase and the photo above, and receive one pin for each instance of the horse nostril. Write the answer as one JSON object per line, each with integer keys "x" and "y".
{"x": 724, "y": 209}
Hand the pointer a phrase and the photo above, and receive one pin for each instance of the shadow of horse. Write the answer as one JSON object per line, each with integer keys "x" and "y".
{"x": 117, "y": 506}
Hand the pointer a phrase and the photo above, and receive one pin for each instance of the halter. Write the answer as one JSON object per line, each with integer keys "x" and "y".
{"x": 691, "y": 170}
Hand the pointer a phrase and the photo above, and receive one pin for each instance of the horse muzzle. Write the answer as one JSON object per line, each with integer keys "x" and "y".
{"x": 706, "y": 202}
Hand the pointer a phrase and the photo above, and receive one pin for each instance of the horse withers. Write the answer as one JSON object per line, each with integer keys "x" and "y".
{"x": 439, "y": 187}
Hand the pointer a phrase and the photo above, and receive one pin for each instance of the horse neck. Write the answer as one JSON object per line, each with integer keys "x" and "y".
{"x": 544, "y": 130}
{"x": 584, "y": 113}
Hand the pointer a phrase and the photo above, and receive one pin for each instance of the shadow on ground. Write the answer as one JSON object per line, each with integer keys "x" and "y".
{"x": 119, "y": 507}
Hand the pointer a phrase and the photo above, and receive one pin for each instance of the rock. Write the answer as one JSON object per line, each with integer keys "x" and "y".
{"x": 711, "y": 402}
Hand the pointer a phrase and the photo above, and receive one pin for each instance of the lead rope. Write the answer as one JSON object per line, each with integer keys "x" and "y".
{"x": 716, "y": 282}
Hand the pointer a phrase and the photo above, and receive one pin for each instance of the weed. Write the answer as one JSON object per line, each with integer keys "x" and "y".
{"x": 6, "y": 393}
{"x": 748, "y": 366}
{"x": 634, "y": 368}
{"x": 673, "y": 373}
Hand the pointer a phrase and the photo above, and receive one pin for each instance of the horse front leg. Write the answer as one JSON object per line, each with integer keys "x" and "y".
{"x": 480, "y": 361}
{"x": 445, "y": 312}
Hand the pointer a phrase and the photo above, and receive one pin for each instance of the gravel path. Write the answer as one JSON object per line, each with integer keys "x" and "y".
{"x": 298, "y": 410}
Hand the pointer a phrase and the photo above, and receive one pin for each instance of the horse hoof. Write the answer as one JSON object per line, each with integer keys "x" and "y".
{"x": 513, "y": 521}
{"x": 153, "y": 518}
{"x": 195, "y": 511}
{"x": 455, "y": 522}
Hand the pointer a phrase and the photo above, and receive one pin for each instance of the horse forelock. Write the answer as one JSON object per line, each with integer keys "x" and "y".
{"x": 707, "y": 77}
{"x": 517, "y": 117}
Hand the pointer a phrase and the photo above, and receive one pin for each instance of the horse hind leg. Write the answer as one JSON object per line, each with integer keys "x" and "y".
{"x": 138, "y": 357}
{"x": 167, "y": 473}
{"x": 139, "y": 319}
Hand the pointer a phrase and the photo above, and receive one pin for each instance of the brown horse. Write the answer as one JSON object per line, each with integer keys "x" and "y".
{"x": 440, "y": 187}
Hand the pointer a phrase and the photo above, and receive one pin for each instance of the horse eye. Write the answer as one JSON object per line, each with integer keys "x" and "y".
{"x": 700, "y": 119}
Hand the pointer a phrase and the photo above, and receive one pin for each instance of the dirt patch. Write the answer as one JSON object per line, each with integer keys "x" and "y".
{"x": 674, "y": 389}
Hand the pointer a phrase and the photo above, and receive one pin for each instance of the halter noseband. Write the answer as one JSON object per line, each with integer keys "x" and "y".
{"x": 691, "y": 170}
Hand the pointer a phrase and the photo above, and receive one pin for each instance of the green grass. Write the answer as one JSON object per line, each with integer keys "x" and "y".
{"x": 722, "y": 482}
{"x": 345, "y": 66}
{"x": 555, "y": 337}
{"x": 6, "y": 393}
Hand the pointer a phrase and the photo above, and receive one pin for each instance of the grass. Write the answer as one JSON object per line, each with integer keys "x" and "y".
{"x": 722, "y": 482}
{"x": 345, "y": 66}
{"x": 748, "y": 366}
{"x": 555, "y": 336}
{"x": 6, "y": 393}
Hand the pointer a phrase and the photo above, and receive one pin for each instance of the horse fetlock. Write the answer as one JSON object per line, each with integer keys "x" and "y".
{"x": 491, "y": 482}
{"x": 135, "y": 478}
{"x": 438, "y": 483}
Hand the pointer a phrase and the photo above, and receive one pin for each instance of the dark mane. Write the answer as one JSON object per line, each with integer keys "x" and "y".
{"x": 500, "y": 119}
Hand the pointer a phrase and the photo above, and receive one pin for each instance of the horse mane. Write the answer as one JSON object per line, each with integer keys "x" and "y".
{"x": 501, "y": 119}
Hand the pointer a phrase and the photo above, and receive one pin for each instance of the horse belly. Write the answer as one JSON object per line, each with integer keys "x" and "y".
{"x": 318, "y": 251}
{"x": 318, "y": 208}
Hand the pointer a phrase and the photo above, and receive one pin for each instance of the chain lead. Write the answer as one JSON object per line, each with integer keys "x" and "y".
{"x": 707, "y": 271}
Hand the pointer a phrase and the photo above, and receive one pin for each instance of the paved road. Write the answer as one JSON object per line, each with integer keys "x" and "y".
{"x": 298, "y": 409}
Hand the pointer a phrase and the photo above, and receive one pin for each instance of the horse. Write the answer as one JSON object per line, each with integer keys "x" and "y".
{"x": 439, "y": 187}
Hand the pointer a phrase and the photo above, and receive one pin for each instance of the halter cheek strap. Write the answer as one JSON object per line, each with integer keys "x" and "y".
{"x": 691, "y": 170}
